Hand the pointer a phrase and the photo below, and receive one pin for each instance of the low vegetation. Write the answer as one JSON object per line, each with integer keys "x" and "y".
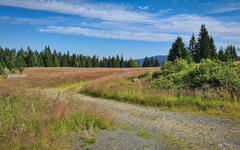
{"x": 211, "y": 87}
{"x": 44, "y": 123}
{"x": 47, "y": 123}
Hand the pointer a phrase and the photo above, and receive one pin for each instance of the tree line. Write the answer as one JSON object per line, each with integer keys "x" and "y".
{"x": 201, "y": 48}
{"x": 12, "y": 59}
{"x": 150, "y": 62}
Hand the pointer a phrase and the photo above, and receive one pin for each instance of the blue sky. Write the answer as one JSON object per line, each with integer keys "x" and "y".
{"x": 134, "y": 28}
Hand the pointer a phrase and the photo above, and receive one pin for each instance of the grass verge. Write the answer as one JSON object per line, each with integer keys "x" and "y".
{"x": 140, "y": 93}
{"x": 30, "y": 121}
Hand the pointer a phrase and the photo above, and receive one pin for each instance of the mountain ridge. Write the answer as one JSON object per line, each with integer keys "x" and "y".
{"x": 160, "y": 58}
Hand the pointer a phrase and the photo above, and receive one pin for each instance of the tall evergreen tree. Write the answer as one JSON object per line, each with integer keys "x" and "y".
{"x": 146, "y": 62}
{"x": 19, "y": 64}
{"x": 104, "y": 62}
{"x": 2, "y": 54}
{"x": 156, "y": 63}
{"x": 55, "y": 59}
{"x": 178, "y": 50}
{"x": 47, "y": 57}
{"x": 109, "y": 62}
{"x": 64, "y": 61}
{"x": 192, "y": 48}
{"x": 231, "y": 53}
{"x": 121, "y": 62}
{"x": 10, "y": 59}
{"x": 151, "y": 63}
{"x": 221, "y": 55}
{"x": 89, "y": 62}
{"x": 205, "y": 45}
{"x": 117, "y": 62}
{"x": 213, "y": 50}
{"x": 30, "y": 59}
{"x": 2, "y": 65}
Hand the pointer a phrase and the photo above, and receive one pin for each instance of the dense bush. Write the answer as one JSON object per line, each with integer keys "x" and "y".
{"x": 210, "y": 74}
{"x": 145, "y": 74}
{"x": 1, "y": 69}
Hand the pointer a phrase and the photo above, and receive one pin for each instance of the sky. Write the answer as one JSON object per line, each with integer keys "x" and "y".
{"x": 133, "y": 28}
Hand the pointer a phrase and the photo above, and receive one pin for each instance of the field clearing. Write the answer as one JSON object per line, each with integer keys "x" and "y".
{"x": 47, "y": 109}
{"x": 46, "y": 122}
{"x": 44, "y": 77}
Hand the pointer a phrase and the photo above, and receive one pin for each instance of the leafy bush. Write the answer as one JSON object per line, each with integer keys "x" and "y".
{"x": 145, "y": 74}
{"x": 210, "y": 74}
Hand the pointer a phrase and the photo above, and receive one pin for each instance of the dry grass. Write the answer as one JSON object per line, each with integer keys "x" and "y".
{"x": 41, "y": 77}
{"x": 142, "y": 93}
{"x": 31, "y": 120}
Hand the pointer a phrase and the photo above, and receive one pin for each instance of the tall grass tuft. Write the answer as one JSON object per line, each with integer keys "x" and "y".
{"x": 142, "y": 93}
{"x": 34, "y": 122}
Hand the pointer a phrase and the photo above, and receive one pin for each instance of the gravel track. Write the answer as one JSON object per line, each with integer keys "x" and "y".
{"x": 166, "y": 129}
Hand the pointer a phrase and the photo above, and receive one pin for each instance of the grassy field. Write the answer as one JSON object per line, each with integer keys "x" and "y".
{"x": 47, "y": 123}
{"x": 28, "y": 115}
{"x": 141, "y": 92}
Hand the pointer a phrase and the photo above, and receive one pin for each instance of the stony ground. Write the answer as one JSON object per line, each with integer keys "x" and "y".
{"x": 145, "y": 128}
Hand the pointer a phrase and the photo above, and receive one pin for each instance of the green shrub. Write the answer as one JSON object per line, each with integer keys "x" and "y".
{"x": 145, "y": 74}
{"x": 210, "y": 74}
{"x": 1, "y": 69}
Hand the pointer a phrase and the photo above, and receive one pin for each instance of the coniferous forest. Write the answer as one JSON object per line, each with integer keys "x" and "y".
{"x": 199, "y": 48}
{"x": 12, "y": 59}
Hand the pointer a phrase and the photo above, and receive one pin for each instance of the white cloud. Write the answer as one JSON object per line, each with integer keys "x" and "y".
{"x": 227, "y": 6}
{"x": 102, "y": 11}
{"x": 144, "y": 7}
{"x": 123, "y": 22}
{"x": 125, "y": 35}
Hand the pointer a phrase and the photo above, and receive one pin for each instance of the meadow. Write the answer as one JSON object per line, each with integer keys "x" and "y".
{"x": 50, "y": 123}
{"x": 172, "y": 90}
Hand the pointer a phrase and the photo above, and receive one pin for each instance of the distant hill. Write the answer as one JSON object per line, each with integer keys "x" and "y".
{"x": 161, "y": 59}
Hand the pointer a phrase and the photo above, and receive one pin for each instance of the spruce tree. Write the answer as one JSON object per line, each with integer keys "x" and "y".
{"x": 227, "y": 54}
{"x": 30, "y": 59}
{"x": 213, "y": 50}
{"x": 88, "y": 62}
{"x": 109, "y": 62}
{"x": 10, "y": 59}
{"x": 2, "y": 66}
{"x": 64, "y": 60}
{"x": 178, "y": 50}
{"x": 206, "y": 47}
{"x": 192, "y": 48}
{"x": 156, "y": 63}
{"x": 117, "y": 62}
{"x": 47, "y": 57}
{"x": 19, "y": 64}
{"x": 146, "y": 62}
{"x": 2, "y": 54}
{"x": 231, "y": 53}
{"x": 104, "y": 62}
{"x": 121, "y": 62}
{"x": 221, "y": 55}
{"x": 151, "y": 63}
{"x": 55, "y": 59}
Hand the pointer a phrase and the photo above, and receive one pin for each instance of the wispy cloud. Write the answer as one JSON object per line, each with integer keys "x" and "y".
{"x": 223, "y": 7}
{"x": 123, "y": 22}
{"x": 144, "y": 7}
{"x": 102, "y": 11}
{"x": 120, "y": 34}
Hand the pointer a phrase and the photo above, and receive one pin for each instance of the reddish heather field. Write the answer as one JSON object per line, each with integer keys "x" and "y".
{"x": 42, "y": 77}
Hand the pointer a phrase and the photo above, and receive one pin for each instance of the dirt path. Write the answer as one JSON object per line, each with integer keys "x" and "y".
{"x": 152, "y": 128}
